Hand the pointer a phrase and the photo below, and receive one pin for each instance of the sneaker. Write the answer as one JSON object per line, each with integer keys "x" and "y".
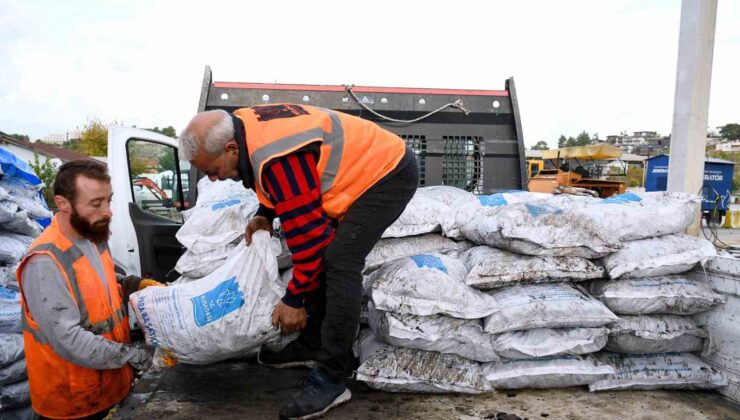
{"x": 293, "y": 355}
{"x": 319, "y": 394}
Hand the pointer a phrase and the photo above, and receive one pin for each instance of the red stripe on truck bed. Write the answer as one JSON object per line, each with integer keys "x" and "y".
{"x": 359, "y": 89}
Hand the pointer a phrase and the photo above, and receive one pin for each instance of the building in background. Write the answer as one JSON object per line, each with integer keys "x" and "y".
{"x": 25, "y": 150}
{"x": 61, "y": 138}
{"x": 645, "y": 143}
{"x": 730, "y": 146}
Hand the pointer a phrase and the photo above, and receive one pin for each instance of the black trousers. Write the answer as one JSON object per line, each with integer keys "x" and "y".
{"x": 334, "y": 309}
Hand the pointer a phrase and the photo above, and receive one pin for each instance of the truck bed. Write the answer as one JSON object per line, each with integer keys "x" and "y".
{"x": 243, "y": 389}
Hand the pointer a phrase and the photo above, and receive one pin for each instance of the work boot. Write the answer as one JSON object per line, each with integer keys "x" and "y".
{"x": 295, "y": 354}
{"x": 319, "y": 394}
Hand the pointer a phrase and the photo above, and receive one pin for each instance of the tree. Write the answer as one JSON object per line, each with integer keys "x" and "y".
{"x": 561, "y": 141}
{"x": 47, "y": 172}
{"x": 583, "y": 139}
{"x": 21, "y": 137}
{"x": 541, "y": 145}
{"x": 94, "y": 138}
{"x": 168, "y": 131}
{"x": 730, "y": 131}
{"x": 166, "y": 160}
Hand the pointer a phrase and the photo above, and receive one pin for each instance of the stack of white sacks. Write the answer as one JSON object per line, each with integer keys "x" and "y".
{"x": 20, "y": 207}
{"x": 214, "y": 227}
{"x": 470, "y": 294}
{"x": 23, "y": 213}
{"x": 224, "y": 299}
{"x": 15, "y": 397}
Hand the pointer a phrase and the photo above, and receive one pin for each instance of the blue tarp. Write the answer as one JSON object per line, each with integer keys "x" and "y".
{"x": 13, "y": 167}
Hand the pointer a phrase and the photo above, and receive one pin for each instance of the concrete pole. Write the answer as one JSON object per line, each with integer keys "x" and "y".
{"x": 691, "y": 103}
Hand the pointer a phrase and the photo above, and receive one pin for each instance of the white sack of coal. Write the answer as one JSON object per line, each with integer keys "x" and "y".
{"x": 225, "y": 314}
{"x": 22, "y": 224}
{"x": 7, "y": 208}
{"x": 643, "y": 334}
{"x": 421, "y": 215}
{"x": 11, "y": 348}
{"x": 10, "y": 311}
{"x": 658, "y": 371}
{"x": 219, "y": 217}
{"x": 449, "y": 195}
{"x": 670, "y": 254}
{"x": 397, "y": 369}
{"x": 464, "y": 208}
{"x": 631, "y": 216}
{"x": 26, "y": 196}
{"x": 426, "y": 285}
{"x": 558, "y": 305}
{"x": 540, "y": 229}
{"x": 550, "y": 372}
{"x": 194, "y": 265}
{"x": 549, "y": 342}
{"x": 387, "y": 250}
{"x": 491, "y": 268}
{"x": 674, "y": 294}
{"x": 14, "y": 396}
{"x": 443, "y": 334}
{"x": 13, "y": 247}
{"x": 14, "y": 372}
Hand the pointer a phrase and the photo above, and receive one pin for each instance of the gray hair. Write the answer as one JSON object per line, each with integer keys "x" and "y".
{"x": 218, "y": 134}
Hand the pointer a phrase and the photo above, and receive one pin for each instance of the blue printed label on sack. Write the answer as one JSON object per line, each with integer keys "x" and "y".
{"x": 9, "y": 295}
{"x": 539, "y": 210}
{"x": 223, "y": 204}
{"x": 493, "y": 200}
{"x": 429, "y": 261}
{"x": 627, "y": 197}
{"x": 217, "y": 303}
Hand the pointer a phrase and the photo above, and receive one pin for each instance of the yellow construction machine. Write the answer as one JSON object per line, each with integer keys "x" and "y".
{"x": 578, "y": 168}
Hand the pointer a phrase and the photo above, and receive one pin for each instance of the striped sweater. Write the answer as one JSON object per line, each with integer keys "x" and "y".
{"x": 295, "y": 191}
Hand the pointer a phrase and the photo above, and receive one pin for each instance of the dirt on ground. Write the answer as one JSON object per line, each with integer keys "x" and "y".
{"x": 239, "y": 390}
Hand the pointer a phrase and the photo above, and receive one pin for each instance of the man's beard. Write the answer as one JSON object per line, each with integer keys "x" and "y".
{"x": 96, "y": 232}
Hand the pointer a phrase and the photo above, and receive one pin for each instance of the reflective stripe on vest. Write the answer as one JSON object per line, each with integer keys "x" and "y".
{"x": 66, "y": 259}
{"x": 335, "y": 139}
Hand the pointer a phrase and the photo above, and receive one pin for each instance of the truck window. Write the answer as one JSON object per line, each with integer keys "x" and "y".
{"x": 156, "y": 184}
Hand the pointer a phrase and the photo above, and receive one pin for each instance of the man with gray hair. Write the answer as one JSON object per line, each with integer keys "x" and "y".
{"x": 336, "y": 182}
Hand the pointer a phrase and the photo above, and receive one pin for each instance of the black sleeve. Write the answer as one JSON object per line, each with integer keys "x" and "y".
{"x": 266, "y": 212}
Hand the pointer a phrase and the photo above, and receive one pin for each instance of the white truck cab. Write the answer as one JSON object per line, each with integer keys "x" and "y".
{"x": 150, "y": 192}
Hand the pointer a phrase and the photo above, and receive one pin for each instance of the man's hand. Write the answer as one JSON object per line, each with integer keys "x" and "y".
{"x": 288, "y": 319}
{"x": 255, "y": 224}
{"x": 141, "y": 356}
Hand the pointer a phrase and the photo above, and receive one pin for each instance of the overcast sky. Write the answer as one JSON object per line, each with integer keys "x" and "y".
{"x": 600, "y": 66}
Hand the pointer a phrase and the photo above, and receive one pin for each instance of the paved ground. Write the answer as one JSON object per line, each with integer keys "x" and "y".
{"x": 728, "y": 236}
{"x": 239, "y": 390}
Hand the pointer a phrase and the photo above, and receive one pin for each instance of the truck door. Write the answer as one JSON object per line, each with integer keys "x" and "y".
{"x": 151, "y": 190}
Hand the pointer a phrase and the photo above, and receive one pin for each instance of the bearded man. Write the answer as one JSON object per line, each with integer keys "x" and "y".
{"x": 79, "y": 356}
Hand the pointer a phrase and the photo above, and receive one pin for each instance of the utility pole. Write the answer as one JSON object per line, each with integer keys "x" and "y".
{"x": 691, "y": 103}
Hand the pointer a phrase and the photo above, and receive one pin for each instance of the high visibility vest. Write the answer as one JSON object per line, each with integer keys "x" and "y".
{"x": 354, "y": 153}
{"x": 59, "y": 388}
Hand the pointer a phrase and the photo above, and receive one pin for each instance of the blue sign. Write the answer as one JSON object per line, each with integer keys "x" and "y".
{"x": 217, "y": 303}
{"x": 430, "y": 261}
{"x": 539, "y": 210}
{"x": 493, "y": 200}
{"x": 717, "y": 188}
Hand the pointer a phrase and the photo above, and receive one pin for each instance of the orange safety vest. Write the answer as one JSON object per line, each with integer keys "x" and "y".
{"x": 59, "y": 388}
{"x": 355, "y": 153}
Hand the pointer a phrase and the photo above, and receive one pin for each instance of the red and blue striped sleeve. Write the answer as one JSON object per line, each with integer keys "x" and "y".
{"x": 294, "y": 187}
